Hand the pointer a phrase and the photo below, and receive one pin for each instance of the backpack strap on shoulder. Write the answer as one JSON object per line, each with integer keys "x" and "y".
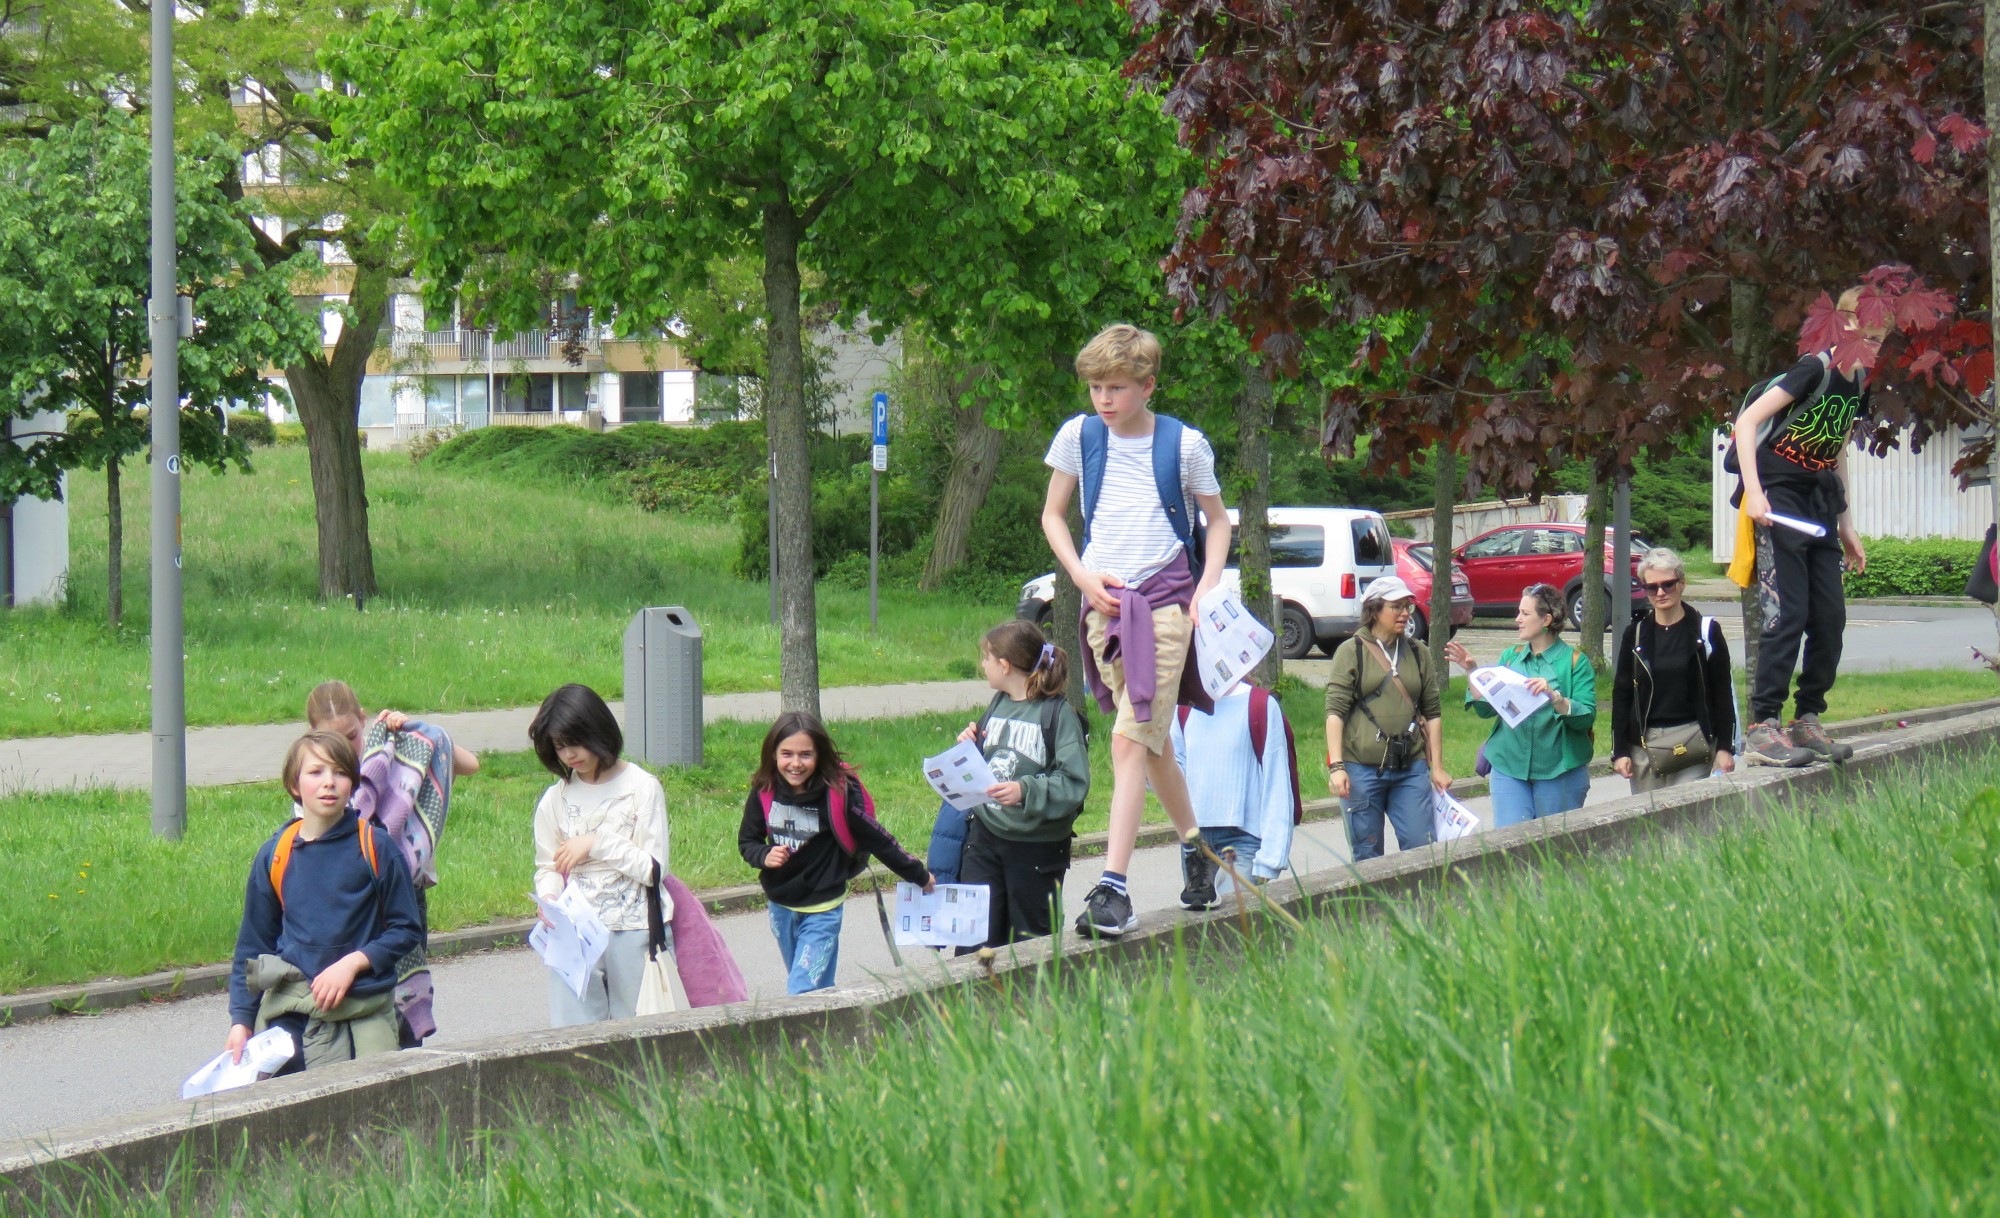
{"x": 1180, "y": 510}
{"x": 1093, "y": 442}
{"x": 281, "y": 858}
{"x": 836, "y": 809}
{"x": 1260, "y": 719}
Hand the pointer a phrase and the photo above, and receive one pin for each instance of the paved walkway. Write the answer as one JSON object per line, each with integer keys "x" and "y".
{"x": 218, "y": 755}
{"x": 58, "y": 1073}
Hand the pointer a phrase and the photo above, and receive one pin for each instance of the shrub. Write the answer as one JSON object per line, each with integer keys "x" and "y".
{"x": 288, "y": 435}
{"x": 660, "y": 468}
{"x": 427, "y": 442}
{"x": 839, "y": 524}
{"x": 254, "y": 428}
{"x": 1930, "y": 566}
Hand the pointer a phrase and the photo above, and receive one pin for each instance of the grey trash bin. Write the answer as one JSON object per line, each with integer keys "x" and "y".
{"x": 663, "y": 687}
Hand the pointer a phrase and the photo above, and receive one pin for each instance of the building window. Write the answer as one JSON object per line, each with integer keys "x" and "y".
{"x": 641, "y": 393}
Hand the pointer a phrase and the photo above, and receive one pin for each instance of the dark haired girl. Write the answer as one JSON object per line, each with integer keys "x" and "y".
{"x": 599, "y": 830}
{"x": 1017, "y": 843}
{"x": 809, "y": 827}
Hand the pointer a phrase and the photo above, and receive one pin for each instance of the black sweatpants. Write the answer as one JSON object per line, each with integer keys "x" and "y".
{"x": 1799, "y": 583}
{"x": 1025, "y": 878}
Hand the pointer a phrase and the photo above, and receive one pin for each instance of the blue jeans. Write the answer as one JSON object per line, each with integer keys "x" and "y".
{"x": 1524, "y": 799}
{"x": 1403, "y": 795}
{"x": 810, "y": 944}
{"x": 1246, "y": 845}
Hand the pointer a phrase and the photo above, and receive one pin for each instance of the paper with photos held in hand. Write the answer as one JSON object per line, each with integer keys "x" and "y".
{"x": 1228, "y": 642}
{"x": 572, "y": 940}
{"x": 950, "y": 915}
{"x": 1506, "y": 691}
{"x": 1450, "y": 819}
{"x": 264, "y": 1053}
{"x": 960, "y": 774}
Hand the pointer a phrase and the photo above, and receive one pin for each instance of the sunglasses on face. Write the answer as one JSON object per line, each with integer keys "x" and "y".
{"x": 1667, "y": 586}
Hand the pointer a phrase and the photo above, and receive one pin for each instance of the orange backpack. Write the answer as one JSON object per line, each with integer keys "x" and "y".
{"x": 281, "y": 857}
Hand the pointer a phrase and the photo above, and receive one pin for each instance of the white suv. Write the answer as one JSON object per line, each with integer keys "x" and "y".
{"x": 1321, "y": 559}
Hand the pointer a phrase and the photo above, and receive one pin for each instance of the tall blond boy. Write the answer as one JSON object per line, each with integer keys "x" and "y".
{"x": 1143, "y": 476}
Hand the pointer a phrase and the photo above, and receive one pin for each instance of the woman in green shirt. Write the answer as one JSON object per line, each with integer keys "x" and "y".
{"x": 1541, "y": 767}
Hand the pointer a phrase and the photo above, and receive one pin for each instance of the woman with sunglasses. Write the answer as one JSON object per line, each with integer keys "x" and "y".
{"x": 1673, "y": 703}
{"x": 1541, "y": 767}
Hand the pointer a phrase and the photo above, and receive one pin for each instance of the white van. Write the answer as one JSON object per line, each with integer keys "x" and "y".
{"x": 1321, "y": 559}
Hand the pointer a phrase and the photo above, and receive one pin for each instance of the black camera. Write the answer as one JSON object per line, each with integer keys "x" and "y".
{"x": 1396, "y": 751}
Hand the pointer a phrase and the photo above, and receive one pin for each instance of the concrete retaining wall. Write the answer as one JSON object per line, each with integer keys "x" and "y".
{"x": 332, "y": 1114}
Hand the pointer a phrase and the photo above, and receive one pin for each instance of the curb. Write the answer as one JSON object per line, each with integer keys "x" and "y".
{"x": 352, "y": 1114}
{"x": 197, "y": 980}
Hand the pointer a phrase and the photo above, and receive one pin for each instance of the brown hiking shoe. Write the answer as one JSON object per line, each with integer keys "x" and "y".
{"x": 1767, "y": 744}
{"x": 1806, "y": 733}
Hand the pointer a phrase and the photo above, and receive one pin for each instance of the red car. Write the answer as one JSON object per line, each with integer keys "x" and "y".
{"x": 1413, "y": 565}
{"x": 1504, "y": 562}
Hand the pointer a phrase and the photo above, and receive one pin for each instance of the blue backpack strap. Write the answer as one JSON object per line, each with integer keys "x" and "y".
{"x": 1180, "y": 511}
{"x": 1095, "y": 443}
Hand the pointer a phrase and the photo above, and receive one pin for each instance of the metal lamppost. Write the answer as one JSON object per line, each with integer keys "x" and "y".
{"x": 169, "y": 320}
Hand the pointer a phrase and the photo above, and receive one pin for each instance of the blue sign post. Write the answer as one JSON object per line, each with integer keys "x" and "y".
{"x": 878, "y": 463}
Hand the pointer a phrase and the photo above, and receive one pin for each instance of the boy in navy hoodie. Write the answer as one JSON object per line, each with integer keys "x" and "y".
{"x": 328, "y": 911}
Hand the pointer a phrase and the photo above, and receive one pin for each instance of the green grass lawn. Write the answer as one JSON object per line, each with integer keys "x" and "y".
{"x": 492, "y": 595}
{"x": 102, "y": 897}
{"x": 1794, "y": 1016}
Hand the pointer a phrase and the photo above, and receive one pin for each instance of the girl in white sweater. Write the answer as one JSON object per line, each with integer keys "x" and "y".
{"x": 601, "y": 829}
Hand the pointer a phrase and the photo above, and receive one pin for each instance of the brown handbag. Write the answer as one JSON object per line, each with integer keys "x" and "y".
{"x": 1670, "y": 750}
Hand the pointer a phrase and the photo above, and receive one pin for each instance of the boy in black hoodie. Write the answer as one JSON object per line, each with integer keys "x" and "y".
{"x": 328, "y": 911}
{"x": 791, "y": 835}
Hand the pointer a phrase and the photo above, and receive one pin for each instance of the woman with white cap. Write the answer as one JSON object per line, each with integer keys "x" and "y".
{"x": 1384, "y": 734}
{"x": 1542, "y": 766}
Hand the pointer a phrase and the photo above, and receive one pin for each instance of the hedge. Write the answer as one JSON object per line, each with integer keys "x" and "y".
{"x": 1930, "y": 566}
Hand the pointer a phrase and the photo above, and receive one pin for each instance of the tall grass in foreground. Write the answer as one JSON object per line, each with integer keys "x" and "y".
{"x": 1796, "y": 1016}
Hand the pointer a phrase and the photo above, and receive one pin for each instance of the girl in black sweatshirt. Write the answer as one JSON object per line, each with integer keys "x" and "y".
{"x": 809, "y": 827}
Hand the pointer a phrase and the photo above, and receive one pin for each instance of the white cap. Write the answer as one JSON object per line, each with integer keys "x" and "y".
{"x": 1387, "y": 588}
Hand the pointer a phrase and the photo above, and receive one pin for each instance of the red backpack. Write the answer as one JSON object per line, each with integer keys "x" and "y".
{"x": 1260, "y": 727}
{"x": 836, "y": 809}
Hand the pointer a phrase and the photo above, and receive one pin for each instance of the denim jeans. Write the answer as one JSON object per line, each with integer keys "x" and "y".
{"x": 1403, "y": 795}
{"x": 612, "y": 989}
{"x": 1524, "y": 799}
{"x": 1246, "y": 845}
{"x": 810, "y": 944}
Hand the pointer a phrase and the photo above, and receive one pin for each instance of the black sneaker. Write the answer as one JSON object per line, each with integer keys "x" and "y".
{"x": 1767, "y": 744}
{"x": 1806, "y": 733}
{"x": 1198, "y": 873}
{"x": 1106, "y": 912}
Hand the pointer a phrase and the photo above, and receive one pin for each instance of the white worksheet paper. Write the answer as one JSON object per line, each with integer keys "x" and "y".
{"x": 573, "y": 940}
{"x": 1808, "y": 527}
{"x": 1228, "y": 642}
{"x": 950, "y": 915}
{"x": 1451, "y": 819}
{"x": 263, "y": 1053}
{"x": 1506, "y": 691}
{"x": 960, "y": 774}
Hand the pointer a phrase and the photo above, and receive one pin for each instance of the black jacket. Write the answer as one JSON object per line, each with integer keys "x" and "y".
{"x": 1632, "y": 687}
{"x": 819, "y": 869}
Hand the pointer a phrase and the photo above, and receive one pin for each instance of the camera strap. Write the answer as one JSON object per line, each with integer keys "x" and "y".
{"x": 1389, "y": 677}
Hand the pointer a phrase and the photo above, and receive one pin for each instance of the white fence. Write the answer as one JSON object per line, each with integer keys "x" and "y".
{"x": 1902, "y": 494}
{"x": 1469, "y": 520}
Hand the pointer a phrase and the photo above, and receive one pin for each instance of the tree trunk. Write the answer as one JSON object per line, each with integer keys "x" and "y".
{"x": 975, "y": 463}
{"x": 326, "y": 392}
{"x": 1993, "y": 243}
{"x": 1595, "y": 604}
{"x": 1444, "y": 494}
{"x": 1255, "y": 413}
{"x": 1065, "y": 612}
{"x": 788, "y": 431}
{"x": 115, "y": 511}
{"x": 1750, "y": 338}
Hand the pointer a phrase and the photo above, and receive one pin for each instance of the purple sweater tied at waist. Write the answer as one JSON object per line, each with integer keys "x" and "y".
{"x": 1129, "y": 637}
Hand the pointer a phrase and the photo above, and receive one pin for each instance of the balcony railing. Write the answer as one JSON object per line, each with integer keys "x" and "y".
{"x": 479, "y": 346}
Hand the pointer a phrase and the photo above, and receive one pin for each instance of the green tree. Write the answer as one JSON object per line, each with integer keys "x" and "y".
{"x": 75, "y": 271}
{"x": 903, "y": 152}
